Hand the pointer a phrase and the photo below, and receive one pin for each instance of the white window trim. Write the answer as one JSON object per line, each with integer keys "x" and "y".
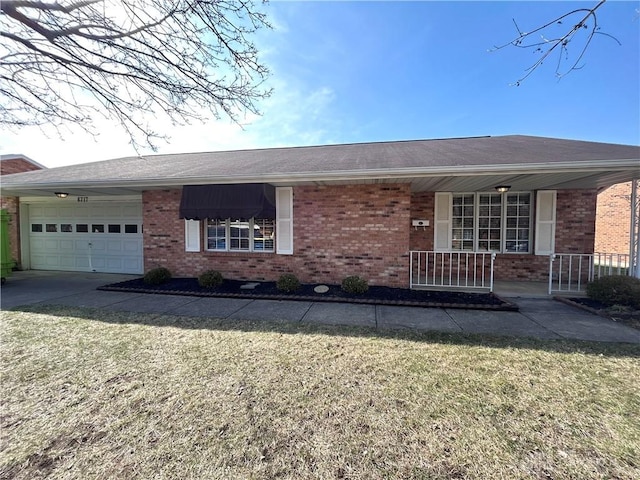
{"x": 476, "y": 214}
{"x": 228, "y": 248}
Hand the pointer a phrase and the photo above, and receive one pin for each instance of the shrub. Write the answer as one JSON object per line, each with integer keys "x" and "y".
{"x": 288, "y": 283}
{"x": 210, "y": 279}
{"x": 156, "y": 276}
{"x": 615, "y": 290}
{"x": 355, "y": 284}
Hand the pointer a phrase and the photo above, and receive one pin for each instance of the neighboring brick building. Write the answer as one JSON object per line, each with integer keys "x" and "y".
{"x": 613, "y": 219}
{"x": 326, "y": 212}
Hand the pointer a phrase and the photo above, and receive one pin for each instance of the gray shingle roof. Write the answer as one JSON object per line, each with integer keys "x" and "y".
{"x": 375, "y": 160}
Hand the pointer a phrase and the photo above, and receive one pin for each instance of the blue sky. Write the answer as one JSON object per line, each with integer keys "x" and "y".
{"x": 347, "y": 72}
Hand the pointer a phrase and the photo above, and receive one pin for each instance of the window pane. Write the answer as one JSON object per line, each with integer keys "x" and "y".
{"x": 263, "y": 235}
{"x": 489, "y": 222}
{"x": 132, "y": 228}
{"x": 463, "y": 221}
{"x": 36, "y": 227}
{"x": 66, "y": 228}
{"x": 82, "y": 228}
{"x": 51, "y": 227}
{"x": 97, "y": 228}
{"x": 518, "y": 222}
{"x": 239, "y": 235}
{"x": 114, "y": 228}
{"x": 216, "y": 234}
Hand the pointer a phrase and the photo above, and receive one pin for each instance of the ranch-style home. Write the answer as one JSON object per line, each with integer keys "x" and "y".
{"x": 450, "y": 212}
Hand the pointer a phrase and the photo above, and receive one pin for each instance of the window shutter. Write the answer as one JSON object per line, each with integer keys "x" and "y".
{"x": 192, "y": 235}
{"x": 442, "y": 227}
{"x": 284, "y": 220}
{"x": 545, "y": 222}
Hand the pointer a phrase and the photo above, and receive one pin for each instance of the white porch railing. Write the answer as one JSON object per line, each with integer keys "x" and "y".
{"x": 570, "y": 272}
{"x": 452, "y": 269}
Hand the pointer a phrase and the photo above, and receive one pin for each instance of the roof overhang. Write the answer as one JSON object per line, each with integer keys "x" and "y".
{"x": 585, "y": 175}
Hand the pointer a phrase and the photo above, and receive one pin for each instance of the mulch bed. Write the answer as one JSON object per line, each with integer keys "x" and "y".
{"x": 626, "y": 316}
{"x": 267, "y": 290}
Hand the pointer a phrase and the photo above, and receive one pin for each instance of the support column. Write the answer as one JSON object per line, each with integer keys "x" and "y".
{"x": 634, "y": 231}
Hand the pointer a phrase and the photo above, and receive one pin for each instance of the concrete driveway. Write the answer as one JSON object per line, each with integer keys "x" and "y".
{"x": 541, "y": 318}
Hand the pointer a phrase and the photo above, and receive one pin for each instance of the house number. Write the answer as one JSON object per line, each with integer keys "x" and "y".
{"x": 83, "y": 199}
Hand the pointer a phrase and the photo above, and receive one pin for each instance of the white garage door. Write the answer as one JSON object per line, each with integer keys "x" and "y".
{"x": 96, "y": 237}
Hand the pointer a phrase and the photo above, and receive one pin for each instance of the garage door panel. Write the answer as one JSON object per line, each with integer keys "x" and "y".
{"x": 36, "y": 211}
{"x": 82, "y": 263}
{"x": 101, "y": 243}
{"x": 67, "y": 262}
{"x": 98, "y": 246}
{"x": 52, "y": 261}
{"x": 66, "y": 212}
{"x": 114, "y": 246}
{"x": 114, "y": 263}
{"x": 81, "y": 246}
{"x": 66, "y": 245}
{"x": 133, "y": 211}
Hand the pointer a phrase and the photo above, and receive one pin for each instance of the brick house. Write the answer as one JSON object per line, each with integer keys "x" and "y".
{"x": 323, "y": 212}
{"x": 613, "y": 219}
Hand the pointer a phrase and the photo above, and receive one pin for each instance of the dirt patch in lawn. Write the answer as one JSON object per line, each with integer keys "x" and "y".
{"x": 620, "y": 314}
{"x": 268, "y": 290}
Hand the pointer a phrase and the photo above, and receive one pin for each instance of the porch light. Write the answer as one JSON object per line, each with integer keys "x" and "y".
{"x": 503, "y": 188}
{"x": 61, "y": 194}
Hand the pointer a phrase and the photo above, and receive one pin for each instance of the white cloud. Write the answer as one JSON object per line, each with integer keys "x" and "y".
{"x": 292, "y": 116}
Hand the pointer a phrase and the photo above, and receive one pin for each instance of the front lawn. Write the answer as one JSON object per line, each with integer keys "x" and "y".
{"x": 92, "y": 394}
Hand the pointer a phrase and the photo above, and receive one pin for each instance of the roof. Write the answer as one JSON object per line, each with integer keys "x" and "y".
{"x": 427, "y": 164}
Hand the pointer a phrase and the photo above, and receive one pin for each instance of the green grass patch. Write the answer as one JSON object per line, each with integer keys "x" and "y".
{"x": 94, "y": 394}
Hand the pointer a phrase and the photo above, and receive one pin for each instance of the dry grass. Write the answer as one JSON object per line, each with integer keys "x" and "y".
{"x": 90, "y": 394}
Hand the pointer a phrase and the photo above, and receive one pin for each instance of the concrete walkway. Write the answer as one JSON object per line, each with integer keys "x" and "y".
{"x": 538, "y": 317}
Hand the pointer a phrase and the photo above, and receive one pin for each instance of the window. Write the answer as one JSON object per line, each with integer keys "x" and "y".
{"x": 255, "y": 235}
{"x": 491, "y": 222}
{"x": 66, "y": 228}
{"x": 216, "y": 235}
{"x": 263, "y": 235}
{"x": 97, "y": 228}
{"x": 518, "y": 219}
{"x": 82, "y": 228}
{"x": 113, "y": 228}
{"x": 36, "y": 227}
{"x": 51, "y": 227}
{"x": 462, "y": 222}
{"x": 131, "y": 228}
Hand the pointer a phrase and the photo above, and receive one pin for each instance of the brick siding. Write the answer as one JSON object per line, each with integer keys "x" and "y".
{"x": 12, "y": 205}
{"x": 575, "y": 233}
{"x": 613, "y": 219}
{"x": 338, "y": 231}
{"x": 16, "y": 165}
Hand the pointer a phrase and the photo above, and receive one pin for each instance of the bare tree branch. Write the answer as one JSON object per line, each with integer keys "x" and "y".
{"x": 128, "y": 60}
{"x": 586, "y": 22}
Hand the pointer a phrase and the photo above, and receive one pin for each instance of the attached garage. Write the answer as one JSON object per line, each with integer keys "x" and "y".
{"x": 76, "y": 234}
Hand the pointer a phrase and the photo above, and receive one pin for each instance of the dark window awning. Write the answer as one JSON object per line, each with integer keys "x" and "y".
{"x": 219, "y": 202}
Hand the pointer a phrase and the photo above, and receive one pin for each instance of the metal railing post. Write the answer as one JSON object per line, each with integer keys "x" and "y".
{"x": 552, "y": 257}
